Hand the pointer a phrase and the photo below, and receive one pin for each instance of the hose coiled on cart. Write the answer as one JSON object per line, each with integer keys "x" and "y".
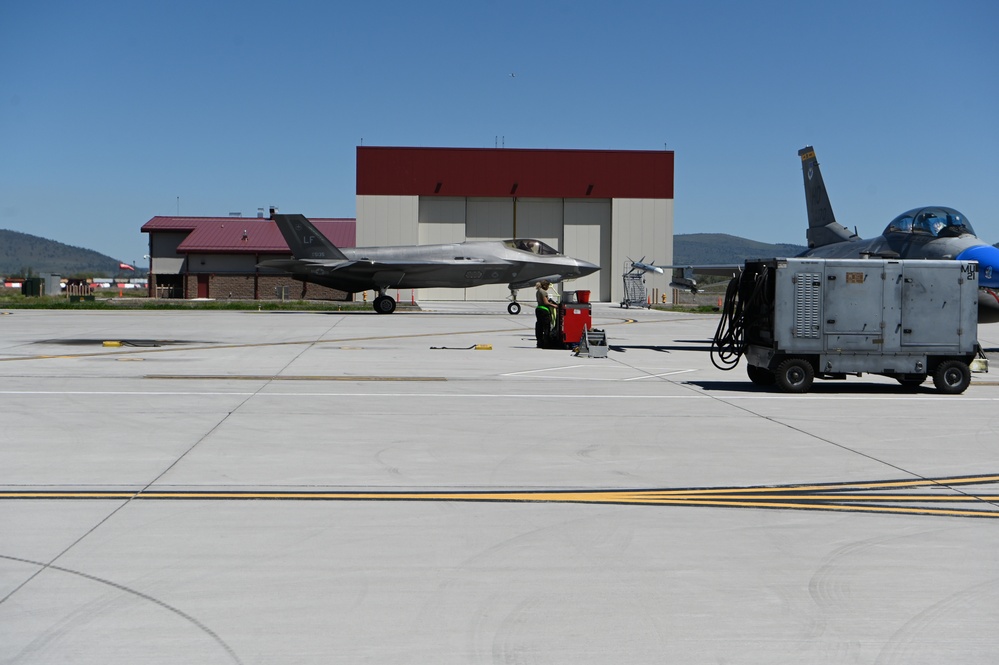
{"x": 729, "y": 342}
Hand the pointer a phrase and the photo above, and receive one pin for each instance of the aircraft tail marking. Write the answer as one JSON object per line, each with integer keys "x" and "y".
{"x": 305, "y": 240}
{"x": 823, "y": 229}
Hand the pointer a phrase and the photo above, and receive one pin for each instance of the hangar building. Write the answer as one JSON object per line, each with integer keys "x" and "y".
{"x": 603, "y": 206}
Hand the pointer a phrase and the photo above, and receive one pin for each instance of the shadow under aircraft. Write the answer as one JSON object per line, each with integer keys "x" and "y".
{"x": 519, "y": 262}
{"x": 931, "y": 232}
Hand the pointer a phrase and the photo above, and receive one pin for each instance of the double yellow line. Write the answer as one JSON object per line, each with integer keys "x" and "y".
{"x": 905, "y": 497}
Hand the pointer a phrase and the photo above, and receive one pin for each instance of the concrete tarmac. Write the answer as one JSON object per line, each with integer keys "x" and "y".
{"x": 257, "y": 487}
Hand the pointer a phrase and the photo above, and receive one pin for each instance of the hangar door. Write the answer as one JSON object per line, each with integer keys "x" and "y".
{"x": 501, "y": 219}
{"x": 442, "y": 221}
{"x": 587, "y": 235}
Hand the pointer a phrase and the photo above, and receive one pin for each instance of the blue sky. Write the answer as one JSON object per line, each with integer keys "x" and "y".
{"x": 112, "y": 111}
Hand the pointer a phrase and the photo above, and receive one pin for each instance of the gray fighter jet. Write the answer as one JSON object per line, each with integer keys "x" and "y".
{"x": 519, "y": 263}
{"x": 933, "y": 232}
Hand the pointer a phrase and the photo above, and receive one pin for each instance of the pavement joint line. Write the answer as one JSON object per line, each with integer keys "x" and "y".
{"x": 543, "y": 369}
{"x": 262, "y": 377}
{"x": 770, "y": 397}
{"x": 659, "y": 376}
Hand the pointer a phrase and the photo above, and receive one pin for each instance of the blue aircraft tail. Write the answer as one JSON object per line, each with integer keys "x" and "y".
{"x": 823, "y": 229}
{"x": 304, "y": 239}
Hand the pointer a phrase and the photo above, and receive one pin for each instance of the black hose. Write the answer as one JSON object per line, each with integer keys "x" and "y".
{"x": 727, "y": 345}
{"x": 729, "y": 342}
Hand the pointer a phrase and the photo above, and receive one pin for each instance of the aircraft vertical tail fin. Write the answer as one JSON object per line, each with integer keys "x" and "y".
{"x": 823, "y": 229}
{"x": 305, "y": 240}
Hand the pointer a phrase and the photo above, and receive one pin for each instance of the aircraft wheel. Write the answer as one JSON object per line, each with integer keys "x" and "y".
{"x": 513, "y": 308}
{"x": 760, "y": 376}
{"x": 384, "y": 304}
{"x": 795, "y": 375}
{"x": 952, "y": 377}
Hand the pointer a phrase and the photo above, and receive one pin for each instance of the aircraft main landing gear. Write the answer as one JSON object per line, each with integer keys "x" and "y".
{"x": 384, "y": 304}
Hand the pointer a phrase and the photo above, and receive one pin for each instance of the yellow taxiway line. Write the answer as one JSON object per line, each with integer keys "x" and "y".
{"x": 845, "y": 497}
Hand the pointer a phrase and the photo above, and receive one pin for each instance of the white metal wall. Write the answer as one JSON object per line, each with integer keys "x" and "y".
{"x": 587, "y": 236}
{"x": 541, "y": 219}
{"x": 442, "y": 220}
{"x": 387, "y": 220}
{"x": 641, "y": 228}
{"x": 488, "y": 219}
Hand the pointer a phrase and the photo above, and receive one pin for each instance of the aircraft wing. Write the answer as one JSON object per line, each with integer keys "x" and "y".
{"x": 361, "y": 274}
{"x": 684, "y": 276}
{"x": 361, "y": 267}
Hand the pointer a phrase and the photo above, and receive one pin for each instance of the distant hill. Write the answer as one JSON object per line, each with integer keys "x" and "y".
{"x": 22, "y": 253}
{"x": 720, "y": 248}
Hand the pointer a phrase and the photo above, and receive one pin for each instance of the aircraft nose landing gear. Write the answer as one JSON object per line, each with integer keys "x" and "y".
{"x": 514, "y": 307}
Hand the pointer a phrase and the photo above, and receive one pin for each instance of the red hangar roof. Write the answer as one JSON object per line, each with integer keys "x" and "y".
{"x": 505, "y": 172}
{"x": 239, "y": 235}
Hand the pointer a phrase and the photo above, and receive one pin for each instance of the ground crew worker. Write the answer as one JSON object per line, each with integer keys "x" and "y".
{"x": 545, "y": 313}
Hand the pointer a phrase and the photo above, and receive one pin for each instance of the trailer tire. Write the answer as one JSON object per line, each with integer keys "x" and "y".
{"x": 795, "y": 375}
{"x": 952, "y": 377}
{"x": 760, "y": 376}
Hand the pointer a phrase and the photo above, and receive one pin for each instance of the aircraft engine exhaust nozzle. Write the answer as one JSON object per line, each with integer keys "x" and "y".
{"x": 988, "y": 263}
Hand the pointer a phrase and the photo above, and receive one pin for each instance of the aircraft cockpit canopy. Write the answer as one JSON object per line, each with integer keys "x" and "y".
{"x": 936, "y": 222}
{"x": 530, "y": 245}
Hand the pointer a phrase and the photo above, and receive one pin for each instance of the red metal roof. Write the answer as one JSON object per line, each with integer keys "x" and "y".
{"x": 238, "y": 235}
{"x": 505, "y": 172}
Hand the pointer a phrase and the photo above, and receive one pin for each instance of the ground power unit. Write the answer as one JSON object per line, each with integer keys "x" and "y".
{"x": 800, "y": 319}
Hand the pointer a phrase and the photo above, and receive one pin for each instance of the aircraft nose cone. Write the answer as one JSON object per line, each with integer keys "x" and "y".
{"x": 586, "y": 268}
{"x": 988, "y": 263}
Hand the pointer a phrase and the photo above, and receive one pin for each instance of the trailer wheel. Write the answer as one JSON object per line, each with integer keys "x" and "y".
{"x": 795, "y": 375}
{"x": 760, "y": 376}
{"x": 952, "y": 377}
